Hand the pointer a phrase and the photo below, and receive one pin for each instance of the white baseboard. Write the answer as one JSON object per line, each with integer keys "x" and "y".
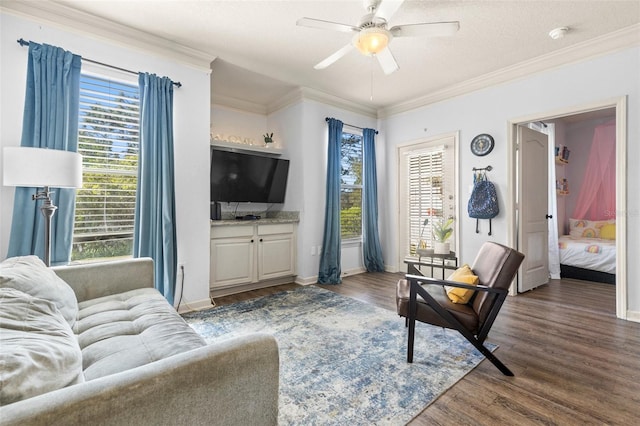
{"x": 197, "y": 305}
{"x": 353, "y": 271}
{"x": 633, "y": 316}
{"x": 314, "y": 279}
{"x": 391, "y": 268}
{"x": 307, "y": 280}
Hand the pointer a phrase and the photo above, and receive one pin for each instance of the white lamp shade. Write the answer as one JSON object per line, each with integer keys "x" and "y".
{"x": 39, "y": 167}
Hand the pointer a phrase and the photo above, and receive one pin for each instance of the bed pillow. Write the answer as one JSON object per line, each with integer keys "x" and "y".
{"x": 581, "y": 228}
{"x": 464, "y": 275}
{"x": 608, "y": 231}
{"x": 39, "y": 352}
{"x": 30, "y": 275}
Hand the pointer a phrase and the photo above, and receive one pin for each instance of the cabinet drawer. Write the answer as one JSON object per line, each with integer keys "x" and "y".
{"x": 231, "y": 231}
{"x": 278, "y": 228}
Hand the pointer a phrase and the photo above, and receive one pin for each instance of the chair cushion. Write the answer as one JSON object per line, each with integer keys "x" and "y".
{"x": 465, "y": 275}
{"x": 30, "y": 275}
{"x": 463, "y": 313}
{"x": 38, "y": 351}
{"x": 130, "y": 329}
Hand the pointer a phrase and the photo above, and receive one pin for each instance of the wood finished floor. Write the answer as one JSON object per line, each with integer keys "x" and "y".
{"x": 575, "y": 363}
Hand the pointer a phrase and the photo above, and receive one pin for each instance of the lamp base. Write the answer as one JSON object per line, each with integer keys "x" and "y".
{"x": 48, "y": 209}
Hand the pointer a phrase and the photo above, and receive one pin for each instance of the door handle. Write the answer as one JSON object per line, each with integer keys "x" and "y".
{"x": 549, "y": 216}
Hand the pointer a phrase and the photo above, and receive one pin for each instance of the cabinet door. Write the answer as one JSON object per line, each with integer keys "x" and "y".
{"x": 232, "y": 261}
{"x": 276, "y": 256}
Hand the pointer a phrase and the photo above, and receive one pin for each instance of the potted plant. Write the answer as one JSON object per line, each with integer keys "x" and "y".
{"x": 268, "y": 138}
{"x": 442, "y": 231}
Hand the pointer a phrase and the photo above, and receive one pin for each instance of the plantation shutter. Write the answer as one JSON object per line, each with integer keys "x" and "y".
{"x": 108, "y": 141}
{"x": 430, "y": 189}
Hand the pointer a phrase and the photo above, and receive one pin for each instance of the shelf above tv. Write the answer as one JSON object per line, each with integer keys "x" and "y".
{"x": 245, "y": 147}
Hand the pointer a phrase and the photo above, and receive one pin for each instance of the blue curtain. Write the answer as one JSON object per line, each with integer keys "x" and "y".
{"x": 50, "y": 121}
{"x": 154, "y": 232}
{"x": 330, "y": 257}
{"x": 370, "y": 240}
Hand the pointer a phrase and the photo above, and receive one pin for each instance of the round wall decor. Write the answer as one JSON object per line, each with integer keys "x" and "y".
{"x": 482, "y": 144}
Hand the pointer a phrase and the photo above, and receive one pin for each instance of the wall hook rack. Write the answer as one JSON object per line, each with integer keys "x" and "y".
{"x": 479, "y": 169}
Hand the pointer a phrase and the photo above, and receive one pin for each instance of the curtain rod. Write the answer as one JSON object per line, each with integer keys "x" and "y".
{"x": 23, "y": 42}
{"x": 350, "y": 125}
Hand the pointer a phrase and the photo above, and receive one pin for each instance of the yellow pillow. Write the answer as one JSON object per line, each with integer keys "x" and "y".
{"x": 608, "y": 231}
{"x": 464, "y": 275}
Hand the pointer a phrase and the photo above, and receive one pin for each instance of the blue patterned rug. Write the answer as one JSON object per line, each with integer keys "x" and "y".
{"x": 343, "y": 361}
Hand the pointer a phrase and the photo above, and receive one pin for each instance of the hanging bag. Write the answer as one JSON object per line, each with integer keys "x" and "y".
{"x": 483, "y": 203}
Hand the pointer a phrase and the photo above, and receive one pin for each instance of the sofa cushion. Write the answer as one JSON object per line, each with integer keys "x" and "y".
{"x": 130, "y": 329}
{"x": 39, "y": 352}
{"x": 30, "y": 275}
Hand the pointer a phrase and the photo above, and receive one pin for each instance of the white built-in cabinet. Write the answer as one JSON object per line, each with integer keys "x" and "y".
{"x": 252, "y": 255}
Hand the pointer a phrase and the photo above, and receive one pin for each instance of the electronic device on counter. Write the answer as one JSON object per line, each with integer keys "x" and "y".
{"x": 248, "y": 217}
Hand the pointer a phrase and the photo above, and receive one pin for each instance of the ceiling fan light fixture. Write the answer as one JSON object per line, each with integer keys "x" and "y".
{"x": 370, "y": 41}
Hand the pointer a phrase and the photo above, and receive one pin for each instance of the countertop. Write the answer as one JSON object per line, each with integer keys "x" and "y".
{"x": 270, "y": 218}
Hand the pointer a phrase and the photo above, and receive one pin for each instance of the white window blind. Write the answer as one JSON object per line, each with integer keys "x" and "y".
{"x": 429, "y": 186}
{"x": 108, "y": 131}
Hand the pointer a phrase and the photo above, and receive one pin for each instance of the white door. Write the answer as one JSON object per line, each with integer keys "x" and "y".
{"x": 533, "y": 233}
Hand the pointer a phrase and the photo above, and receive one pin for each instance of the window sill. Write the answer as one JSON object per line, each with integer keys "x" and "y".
{"x": 98, "y": 260}
{"x": 352, "y": 242}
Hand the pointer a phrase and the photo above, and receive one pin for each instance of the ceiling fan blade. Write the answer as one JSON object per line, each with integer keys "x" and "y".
{"x": 326, "y": 25}
{"x": 387, "y": 8}
{"x": 334, "y": 57}
{"x": 387, "y": 61}
{"x": 435, "y": 29}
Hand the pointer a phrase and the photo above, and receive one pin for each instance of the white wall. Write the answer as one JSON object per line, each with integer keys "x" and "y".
{"x": 232, "y": 123}
{"x": 191, "y": 131}
{"x": 488, "y": 111}
{"x": 315, "y": 164}
{"x": 301, "y": 131}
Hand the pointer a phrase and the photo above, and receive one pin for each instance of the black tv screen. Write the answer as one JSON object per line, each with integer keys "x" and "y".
{"x": 239, "y": 177}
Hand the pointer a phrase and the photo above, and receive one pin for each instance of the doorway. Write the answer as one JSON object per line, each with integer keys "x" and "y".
{"x": 619, "y": 105}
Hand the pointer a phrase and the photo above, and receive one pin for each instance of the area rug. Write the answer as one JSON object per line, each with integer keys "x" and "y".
{"x": 343, "y": 361}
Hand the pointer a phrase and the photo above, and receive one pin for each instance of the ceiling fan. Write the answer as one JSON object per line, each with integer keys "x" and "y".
{"x": 372, "y": 37}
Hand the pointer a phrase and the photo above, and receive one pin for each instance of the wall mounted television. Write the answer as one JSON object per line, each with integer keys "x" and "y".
{"x": 244, "y": 177}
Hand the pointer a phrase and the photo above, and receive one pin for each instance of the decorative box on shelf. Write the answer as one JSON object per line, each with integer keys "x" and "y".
{"x": 562, "y": 155}
{"x": 562, "y": 186}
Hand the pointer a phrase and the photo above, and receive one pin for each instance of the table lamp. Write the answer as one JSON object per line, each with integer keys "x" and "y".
{"x": 42, "y": 168}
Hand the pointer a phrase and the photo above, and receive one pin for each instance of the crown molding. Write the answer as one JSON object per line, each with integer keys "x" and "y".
{"x": 306, "y": 93}
{"x": 293, "y": 97}
{"x": 618, "y": 40}
{"x": 238, "y": 104}
{"x": 64, "y": 17}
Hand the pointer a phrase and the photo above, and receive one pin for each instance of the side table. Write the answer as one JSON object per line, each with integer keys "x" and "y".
{"x": 431, "y": 260}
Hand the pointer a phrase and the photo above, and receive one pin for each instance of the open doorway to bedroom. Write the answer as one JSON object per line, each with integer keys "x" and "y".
{"x": 587, "y": 193}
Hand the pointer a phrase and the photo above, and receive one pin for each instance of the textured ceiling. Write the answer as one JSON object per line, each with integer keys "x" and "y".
{"x": 262, "y": 54}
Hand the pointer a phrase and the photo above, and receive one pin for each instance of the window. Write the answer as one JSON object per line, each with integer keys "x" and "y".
{"x": 108, "y": 132}
{"x": 427, "y": 176}
{"x": 351, "y": 186}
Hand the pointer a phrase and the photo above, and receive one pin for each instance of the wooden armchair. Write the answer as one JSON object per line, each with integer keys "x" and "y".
{"x": 425, "y": 299}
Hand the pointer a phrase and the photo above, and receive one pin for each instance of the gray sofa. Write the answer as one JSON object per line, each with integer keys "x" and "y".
{"x": 96, "y": 344}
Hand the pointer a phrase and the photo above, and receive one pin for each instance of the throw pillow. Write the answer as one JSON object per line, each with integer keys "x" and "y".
{"x": 39, "y": 352}
{"x": 30, "y": 275}
{"x": 581, "y": 228}
{"x": 464, "y": 275}
{"x": 608, "y": 231}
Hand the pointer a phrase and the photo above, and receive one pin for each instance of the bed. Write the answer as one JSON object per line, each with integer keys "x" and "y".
{"x": 589, "y": 251}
